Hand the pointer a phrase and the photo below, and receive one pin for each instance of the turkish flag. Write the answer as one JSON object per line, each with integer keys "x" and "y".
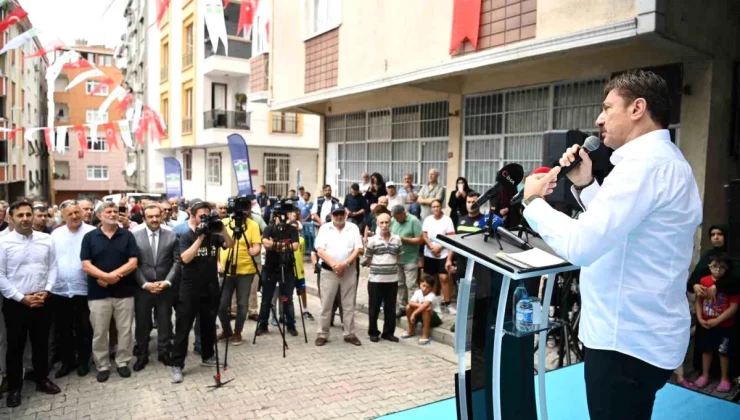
{"x": 54, "y": 46}
{"x": 80, "y": 64}
{"x": 162, "y": 6}
{"x": 107, "y": 81}
{"x": 142, "y": 128}
{"x": 110, "y": 135}
{"x": 12, "y": 18}
{"x": 465, "y": 23}
{"x": 247, "y": 9}
{"x": 80, "y": 134}
{"x": 226, "y": 3}
{"x": 125, "y": 102}
{"x": 47, "y": 136}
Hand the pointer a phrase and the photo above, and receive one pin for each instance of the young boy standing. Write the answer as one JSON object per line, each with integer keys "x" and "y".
{"x": 382, "y": 254}
{"x": 717, "y": 316}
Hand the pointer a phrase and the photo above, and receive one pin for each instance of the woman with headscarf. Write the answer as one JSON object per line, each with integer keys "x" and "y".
{"x": 457, "y": 205}
{"x": 729, "y": 284}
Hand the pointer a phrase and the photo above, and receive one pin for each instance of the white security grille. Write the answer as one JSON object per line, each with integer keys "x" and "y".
{"x": 277, "y": 174}
{"x": 391, "y": 141}
{"x": 507, "y": 126}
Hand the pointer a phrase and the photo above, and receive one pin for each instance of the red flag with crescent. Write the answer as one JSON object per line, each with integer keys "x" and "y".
{"x": 247, "y": 9}
{"x": 80, "y": 134}
{"x": 465, "y": 23}
{"x": 49, "y": 48}
{"x": 12, "y": 18}
{"x": 110, "y": 135}
{"x": 123, "y": 105}
{"x": 80, "y": 64}
{"x": 162, "y": 6}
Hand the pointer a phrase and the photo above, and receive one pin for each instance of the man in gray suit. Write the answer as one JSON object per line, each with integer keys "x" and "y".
{"x": 159, "y": 268}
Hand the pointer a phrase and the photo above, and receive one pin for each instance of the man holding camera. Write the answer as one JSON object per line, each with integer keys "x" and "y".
{"x": 280, "y": 241}
{"x": 199, "y": 292}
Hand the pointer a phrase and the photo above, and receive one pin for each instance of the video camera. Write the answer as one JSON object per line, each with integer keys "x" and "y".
{"x": 282, "y": 207}
{"x": 209, "y": 224}
{"x": 236, "y": 206}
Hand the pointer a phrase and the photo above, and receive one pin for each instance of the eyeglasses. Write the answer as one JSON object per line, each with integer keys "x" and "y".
{"x": 715, "y": 266}
{"x": 68, "y": 203}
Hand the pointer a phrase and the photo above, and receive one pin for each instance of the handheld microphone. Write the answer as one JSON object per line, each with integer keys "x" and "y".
{"x": 507, "y": 178}
{"x": 498, "y": 226}
{"x": 592, "y": 143}
{"x": 517, "y": 199}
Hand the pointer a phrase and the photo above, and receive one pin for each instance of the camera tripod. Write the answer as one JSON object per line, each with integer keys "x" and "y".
{"x": 280, "y": 284}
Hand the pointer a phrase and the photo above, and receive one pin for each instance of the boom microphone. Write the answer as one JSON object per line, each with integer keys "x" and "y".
{"x": 507, "y": 179}
{"x": 592, "y": 143}
{"x": 498, "y": 226}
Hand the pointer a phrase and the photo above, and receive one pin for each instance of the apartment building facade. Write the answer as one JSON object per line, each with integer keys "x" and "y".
{"x": 23, "y": 164}
{"x": 396, "y": 94}
{"x": 100, "y": 169}
{"x": 131, "y": 57}
{"x": 203, "y": 96}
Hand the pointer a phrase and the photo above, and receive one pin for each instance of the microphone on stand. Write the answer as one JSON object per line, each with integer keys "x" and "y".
{"x": 520, "y": 195}
{"x": 507, "y": 179}
{"x": 497, "y": 226}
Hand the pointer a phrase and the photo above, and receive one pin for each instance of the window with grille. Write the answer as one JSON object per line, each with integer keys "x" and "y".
{"x": 214, "y": 168}
{"x": 187, "y": 163}
{"x": 93, "y": 116}
{"x": 99, "y": 146}
{"x": 392, "y": 141}
{"x": 91, "y": 85}
{"x": 277, "y": 174}
{"x": 285, "y": 122}
{"x": 507, "y": 126}
{"x": 97, "y": 173}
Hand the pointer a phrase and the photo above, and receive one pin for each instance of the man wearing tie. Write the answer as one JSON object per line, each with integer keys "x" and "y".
{"x": 159, "y": 267}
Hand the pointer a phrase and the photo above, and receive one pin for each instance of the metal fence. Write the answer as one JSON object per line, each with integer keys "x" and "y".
{"x": 391, "y": 141}
{"x": 507, "y": 126}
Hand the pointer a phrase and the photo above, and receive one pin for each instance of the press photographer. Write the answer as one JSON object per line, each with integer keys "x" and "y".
{"x": 280, "y": 241}
{"x": 239, "y": 266}
{"x": 199, "y": 292}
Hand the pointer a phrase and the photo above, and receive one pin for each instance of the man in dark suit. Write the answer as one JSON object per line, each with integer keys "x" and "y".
{"x": 158, "y": 271}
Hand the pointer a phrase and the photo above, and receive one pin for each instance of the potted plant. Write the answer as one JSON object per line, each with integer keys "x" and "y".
{"x": 241, "y": 101}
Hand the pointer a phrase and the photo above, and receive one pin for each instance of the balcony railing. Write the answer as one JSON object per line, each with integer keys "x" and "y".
{"x": 164, "y": 74}
{"x": 187, "y": 125}
{"x": 227, "y": 119}
{"x": 187, "y": 59}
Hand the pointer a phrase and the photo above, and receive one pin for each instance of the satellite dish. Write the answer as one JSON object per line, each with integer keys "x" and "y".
{"x": 131, "y": 169}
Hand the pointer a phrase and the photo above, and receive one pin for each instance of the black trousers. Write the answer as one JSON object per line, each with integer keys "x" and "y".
{"x": 195, "y": 300}
{"x": 619, "y": 386}
{"x": 382, "y": 293}
{"x": 274, "y": 279}
{"x": 72, "y": 330}
{"x": 144, "y": 302}
{"x": 20, "y": 323}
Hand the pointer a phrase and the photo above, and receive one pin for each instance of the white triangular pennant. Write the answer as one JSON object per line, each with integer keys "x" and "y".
{"x": 125, "y": 129}
{"x": 93, "y": 133}
{"x": 29, "y": 133}
{"x": 61, "y": 135}
{"x": 84, "y": 76}
{"x": 118, "y": 93}
{"x": 214, "y": 19}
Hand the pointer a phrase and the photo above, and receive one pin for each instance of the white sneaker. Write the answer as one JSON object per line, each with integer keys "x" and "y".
{"x": 450, "y": 310}
{"x": 176, "y": 375}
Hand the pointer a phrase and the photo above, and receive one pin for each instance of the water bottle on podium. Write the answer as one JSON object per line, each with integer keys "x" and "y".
{"x": 523, "y": 310}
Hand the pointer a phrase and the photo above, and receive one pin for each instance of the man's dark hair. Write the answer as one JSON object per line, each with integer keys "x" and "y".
{"x": 306, "y": 192}
{"x": 199, "y": 205}
{"x": 721, "y": 259}
{"x": 634, "y": 84}
{"x": 355, "y": 187}
{"x": 326, "y": 186}
{"x": 430, "y": 280}
{"x": 13, "y": 207}
{"x": 293, "y": 191}
{"x": 262, "y": 186}
{"x": 151, "y": 207}
{"x": 473, "y": 194}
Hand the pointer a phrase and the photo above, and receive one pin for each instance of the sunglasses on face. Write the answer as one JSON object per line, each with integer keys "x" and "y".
{"x": 68, "y": 203}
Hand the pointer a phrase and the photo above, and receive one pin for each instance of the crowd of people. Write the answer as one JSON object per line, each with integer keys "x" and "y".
{"x": 85, "y": 283}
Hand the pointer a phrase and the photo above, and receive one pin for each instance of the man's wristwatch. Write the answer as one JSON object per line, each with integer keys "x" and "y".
{"x": 530, "y": 199}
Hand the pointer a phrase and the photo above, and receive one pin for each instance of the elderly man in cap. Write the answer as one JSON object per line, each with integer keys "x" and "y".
{"x": 338, "y": 245}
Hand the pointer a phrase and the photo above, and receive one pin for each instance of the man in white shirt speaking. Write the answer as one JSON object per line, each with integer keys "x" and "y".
{"x": 634, "y": 243}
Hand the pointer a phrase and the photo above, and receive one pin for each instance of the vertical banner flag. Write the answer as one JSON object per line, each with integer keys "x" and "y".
{"x": 49, "y": 137}
{"x": 20, "y": 40}
{"x": 172, "y": 177}
{"x": 110, "y": 135}
{"x": 61, "y": 137}
{"x": 240, "y": 158}
{"x": 465, "y": 23}
{"x": 94, "y": 134}
{"x": 216, "y": 24}
{"x": 125, "y": 133}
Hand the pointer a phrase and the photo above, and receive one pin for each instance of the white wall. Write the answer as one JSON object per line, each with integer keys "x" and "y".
{"x": 234, "y": 85}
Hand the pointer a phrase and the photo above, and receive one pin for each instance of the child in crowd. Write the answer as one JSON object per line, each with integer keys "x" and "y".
{"x": 423, "y": 303}
{"x": 717, "y": 316}
{"x": 300, "y": 284}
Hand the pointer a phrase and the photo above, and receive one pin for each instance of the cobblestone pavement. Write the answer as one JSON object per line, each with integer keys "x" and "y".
{"x": 335, "y": 381}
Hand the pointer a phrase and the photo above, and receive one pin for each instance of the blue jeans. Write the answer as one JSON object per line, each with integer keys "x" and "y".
{"x": 269, "y": 284}
{"x": 309, "y": 235}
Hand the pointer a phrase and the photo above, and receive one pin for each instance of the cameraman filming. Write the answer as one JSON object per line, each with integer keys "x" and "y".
{"x": 199, "y": 291}
{"x": 280, "y": 241}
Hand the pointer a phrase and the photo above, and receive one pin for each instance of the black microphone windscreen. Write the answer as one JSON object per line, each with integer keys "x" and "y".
{"x": 510, "y": 175}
